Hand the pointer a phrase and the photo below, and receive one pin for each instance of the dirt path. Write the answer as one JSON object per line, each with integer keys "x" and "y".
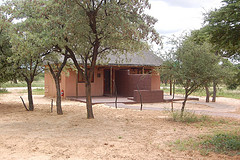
{"x": 224, "y": 107}
{"x": 113, "y": 134}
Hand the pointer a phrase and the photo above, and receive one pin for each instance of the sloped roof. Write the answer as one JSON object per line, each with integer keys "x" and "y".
{"x": 144, "y": 58}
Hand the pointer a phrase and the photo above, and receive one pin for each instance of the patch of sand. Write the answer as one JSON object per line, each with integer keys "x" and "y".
{"x": 113, "y": 134}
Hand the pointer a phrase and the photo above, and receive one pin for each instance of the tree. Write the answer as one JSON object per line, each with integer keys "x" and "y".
{"x": 219, "y": 71}
{"x": 5, "y": 50}
{"x": 40, "y": 20}
{"x": 223, "y": 26}
{"x": 104, "y": 27}
{"x": 55, "y": 66}
{"x": 26, "y": 57}
{"x": 190, "y": 65}
{"x": 233, "y": 80}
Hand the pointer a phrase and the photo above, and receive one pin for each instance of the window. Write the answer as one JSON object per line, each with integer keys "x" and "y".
{"x": 147, "y": 71}
{"x": 140, "y": 71}
{"x": 81, "y": 78}
{"x": 136, "y": 71}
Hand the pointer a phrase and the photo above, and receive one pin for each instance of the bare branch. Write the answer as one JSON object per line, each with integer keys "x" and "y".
{"x": 105, "y": 49}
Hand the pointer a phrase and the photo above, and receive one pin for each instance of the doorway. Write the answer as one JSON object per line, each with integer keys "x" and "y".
{"x": 107, "y": 81}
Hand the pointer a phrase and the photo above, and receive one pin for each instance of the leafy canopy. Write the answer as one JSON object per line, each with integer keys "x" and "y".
{"x": 5, "y": 50}
{"x": 223, "y": 24}
{"x": 192, "y": 64}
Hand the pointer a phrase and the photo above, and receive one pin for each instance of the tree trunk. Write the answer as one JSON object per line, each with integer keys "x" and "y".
{"x": 15, "y": 80}
{"x": 170, "y": 86}
{"x": 184, "y": 103}
{"x": 89, "y": 99}
{"x": 30, "y": 98}
{"x": 57, "y": 83}
{"x": 173, "y": 93}
{"x": 207, "y": 93}
{"x": 214, "y": 91}
{"x": 58, "y": 101}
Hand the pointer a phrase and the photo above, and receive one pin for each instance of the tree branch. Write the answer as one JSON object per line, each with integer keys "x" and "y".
{"x": 103, "y": 50}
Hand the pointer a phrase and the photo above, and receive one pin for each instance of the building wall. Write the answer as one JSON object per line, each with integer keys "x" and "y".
{"x": 49, "y": 85}
{"x": 148, "y": 96}
{"x": 155, "y": 82}
{"x": 97, "y": 85}
{"x": 127, "y": 83}
{"x": 68, "y": 84}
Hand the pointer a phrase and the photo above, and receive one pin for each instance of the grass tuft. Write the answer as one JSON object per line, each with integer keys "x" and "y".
{"x": 189, "y": 117}
{"x": 3, "y": 90}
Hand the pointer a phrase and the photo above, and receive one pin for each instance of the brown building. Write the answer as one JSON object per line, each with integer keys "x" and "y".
{"x": 125, "y": 75}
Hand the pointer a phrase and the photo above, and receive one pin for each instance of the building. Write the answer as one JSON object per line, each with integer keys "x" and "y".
{"x": 127, "y": 75}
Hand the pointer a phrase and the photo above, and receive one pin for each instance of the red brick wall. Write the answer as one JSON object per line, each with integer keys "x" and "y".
{"x": 149, "y": 96}
{"x": 126, "y": 83}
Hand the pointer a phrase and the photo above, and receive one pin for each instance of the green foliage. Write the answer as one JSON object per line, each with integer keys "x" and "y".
{"x": 223, "y": 26}
{"x": 191, "y": 64}
{"x": 5, "y": 50}
{"x": 36, "y": 83}
{"x": 233, "y": 81}
{"x": 227, "y": 143}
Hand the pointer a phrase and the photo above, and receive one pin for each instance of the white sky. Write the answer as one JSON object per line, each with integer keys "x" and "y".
{"x": 176, "y": 16}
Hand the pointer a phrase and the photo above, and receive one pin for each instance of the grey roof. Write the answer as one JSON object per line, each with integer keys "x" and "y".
{"x": 144, "y": 58}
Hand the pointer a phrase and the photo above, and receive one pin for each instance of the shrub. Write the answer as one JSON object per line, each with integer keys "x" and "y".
{"x": 228, "y": 143}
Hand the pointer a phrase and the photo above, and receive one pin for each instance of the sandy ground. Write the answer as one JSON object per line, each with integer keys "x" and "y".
{"x": 113, "y": 134}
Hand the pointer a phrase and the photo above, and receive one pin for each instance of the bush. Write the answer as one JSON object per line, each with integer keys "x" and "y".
{"x": 223, "y": 143}
{"x": 226, "y": 143}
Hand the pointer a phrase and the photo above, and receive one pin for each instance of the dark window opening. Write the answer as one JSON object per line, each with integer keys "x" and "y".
{"x": 81, "y": 78}
{"x": 140, "y": 71}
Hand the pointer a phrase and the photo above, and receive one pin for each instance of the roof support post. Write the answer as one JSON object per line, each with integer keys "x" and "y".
{"x": 111, "y": 81}
{"x": 77, "y": 74}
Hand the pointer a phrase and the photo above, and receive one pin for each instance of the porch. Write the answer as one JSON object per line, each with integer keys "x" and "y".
{"x": 124, "y": 100}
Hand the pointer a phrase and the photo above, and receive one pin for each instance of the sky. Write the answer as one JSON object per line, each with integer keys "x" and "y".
{"x": 176, "y": 16}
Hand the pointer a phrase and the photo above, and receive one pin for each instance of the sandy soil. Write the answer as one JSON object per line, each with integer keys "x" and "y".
{"x": 113, "y": 134}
